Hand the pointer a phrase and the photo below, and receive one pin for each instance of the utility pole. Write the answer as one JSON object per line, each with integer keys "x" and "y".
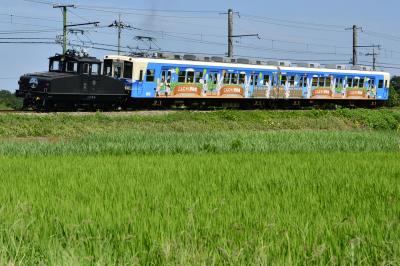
{"x": 65, "y": 32}
{"x": 374, "y": 55}
{"x": 230, "y": 31}
{"x": 355, "y": 29}
{"x": 120, "y": 26}
{"x": 66, "y": 26}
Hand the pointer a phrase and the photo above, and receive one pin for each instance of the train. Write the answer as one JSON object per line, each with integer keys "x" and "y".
{"x": 76, "y": 81}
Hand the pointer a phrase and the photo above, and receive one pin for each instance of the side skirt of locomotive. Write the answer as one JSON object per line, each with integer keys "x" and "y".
{"x": 74, "y": 102}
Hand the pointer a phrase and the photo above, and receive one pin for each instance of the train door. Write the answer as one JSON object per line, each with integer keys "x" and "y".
{"x": 252, "y": 84}
{"x": 90, "y": 78}
{"x": 137, "y": 86}
{"x": 313, "y": 86}
{"x": 303, "y": 85}
{"x": 148, "y": 87}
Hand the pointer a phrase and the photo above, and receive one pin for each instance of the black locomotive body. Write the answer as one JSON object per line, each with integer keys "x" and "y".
{"x": 74, "y": 81}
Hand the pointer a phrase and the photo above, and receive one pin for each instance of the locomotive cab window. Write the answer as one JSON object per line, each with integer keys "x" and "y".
{"x": 55, "y": 65}
{"x": 95, "y": 69}
{"x": 72, "y": 67}
{"x": 85, "y": 69}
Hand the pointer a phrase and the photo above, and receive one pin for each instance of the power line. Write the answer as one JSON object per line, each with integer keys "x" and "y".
{"x": 294, "y": 26}
{"x": 150, "y": 10}
{"x": 296, "y": 22}
{"x": 25, "y": 42}
{"x": 32, "y": 18}
{"x": 123, "y": 12}
{"x": 25, "y": 38}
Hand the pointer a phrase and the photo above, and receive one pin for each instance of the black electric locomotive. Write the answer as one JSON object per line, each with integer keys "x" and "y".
{"x": 74, "y": 81}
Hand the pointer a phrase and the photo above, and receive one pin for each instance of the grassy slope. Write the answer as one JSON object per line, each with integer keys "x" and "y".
{"x": 66, "y": 125}
{"x": 307, "y": 187}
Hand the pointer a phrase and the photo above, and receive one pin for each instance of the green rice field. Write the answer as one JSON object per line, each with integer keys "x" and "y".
{"x": 201, "y": 188}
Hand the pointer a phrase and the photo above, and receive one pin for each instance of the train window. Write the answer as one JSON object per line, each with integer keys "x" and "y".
{"x": 117, "y": 71}
{"x": 72, "y": 66}
{"x": 355, "y": 82}
{"x": 234, "y": 78}
{"x": 301, "y": 82}
{"x": 150, "y": 75}
{"x": 266, "y": 79}
{"x": 107, "y": 67}
{"x": 291, "y": 80}
{"x": 198, "y": 76}
{"x": 213, "y": 77}
{"x": 386, "y": 83}
{"x": 169, "y": 75}
{"x": 321, "y": 82}
{"x": 255, "y": 79}
{"x": 328, "y": 82}
{"x": 361, "y": 84}
{"x": 283, "y": 80}
{"x": 128, "y": 70}
{"x": 181, "y": 76}
{"x": 226, "y": 78}
{"x": 242, "y": 79}
{"x": 190, "y": 77}
{"x": 85, "y": 69}
{"x": 315, "y": 82}
{"x": 380, "y": 84}
{"x": 163, "y": 76}
{"x": 305, "y": 84}
{"x": 141, "y": 75}
{"x": 55, "y": 66}
{"x": 95, "y": 69}
{"x": 339, "y": 83}
{"x": 349, "y": 82}
{"x": 372, "y": 83}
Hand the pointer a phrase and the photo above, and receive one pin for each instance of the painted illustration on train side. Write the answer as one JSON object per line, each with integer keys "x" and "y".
{"x": 201, "y": 83}
{"x": 190, "y": 83}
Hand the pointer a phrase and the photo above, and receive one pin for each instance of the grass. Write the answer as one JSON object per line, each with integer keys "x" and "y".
{"x": 239, "y": 208}
{"x": 199, "y": 188}
{"x": 126, "y": 143}
{"x": 67, "y": 125}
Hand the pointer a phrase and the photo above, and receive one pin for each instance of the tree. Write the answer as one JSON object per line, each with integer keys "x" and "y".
{"x": 395, "y": 83}
{"x": 394, "y": 92}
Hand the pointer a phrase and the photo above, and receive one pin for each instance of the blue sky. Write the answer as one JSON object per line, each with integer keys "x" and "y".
{"x": 308, "y": 30}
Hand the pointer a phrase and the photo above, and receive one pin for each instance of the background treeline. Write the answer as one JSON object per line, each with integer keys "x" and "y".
{"x": 9, "y": 101}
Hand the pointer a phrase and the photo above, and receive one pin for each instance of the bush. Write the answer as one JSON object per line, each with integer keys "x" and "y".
{"x": 8, "y": 100}
{"x": 394, "y": 98}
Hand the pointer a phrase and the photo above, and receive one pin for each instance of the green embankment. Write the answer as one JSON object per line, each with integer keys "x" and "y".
{"x": 190, "y": 188}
